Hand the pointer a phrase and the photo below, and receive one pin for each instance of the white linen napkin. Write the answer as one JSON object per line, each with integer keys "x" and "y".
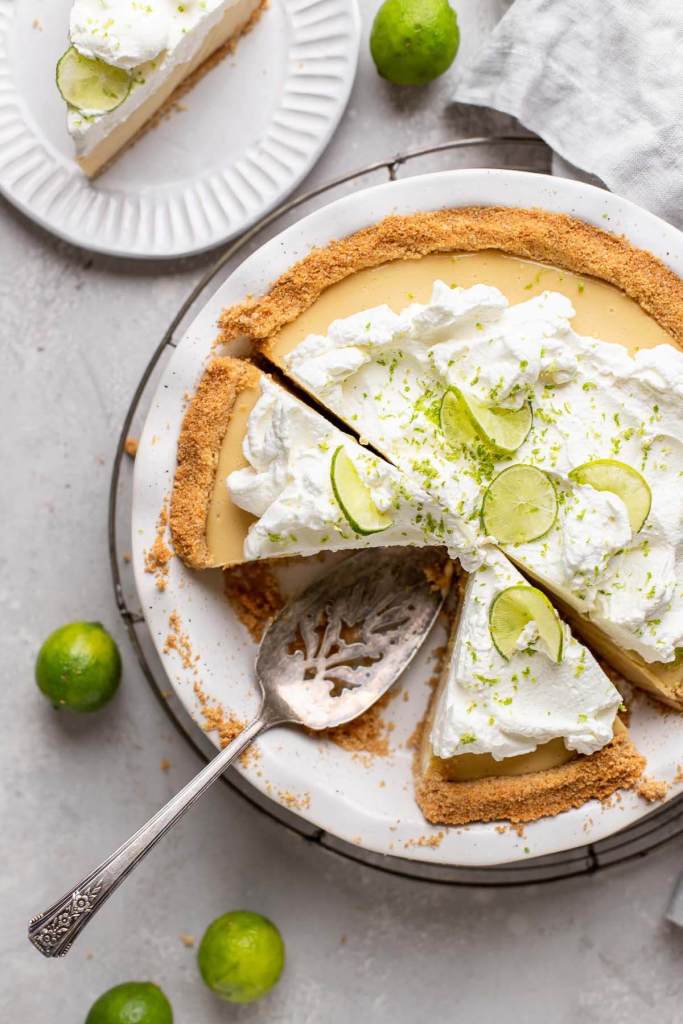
{"x": 601, "y": 81}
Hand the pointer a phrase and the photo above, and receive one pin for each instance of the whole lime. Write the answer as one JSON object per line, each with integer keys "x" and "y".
{"x": 414, "y": 41}
{"x": 241, "y": 956}
{"x": 79, "y": 667}
{"x": 134, "y": 1002}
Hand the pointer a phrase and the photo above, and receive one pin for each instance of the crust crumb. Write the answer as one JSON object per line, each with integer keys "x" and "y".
{"x": 228, "y": 726}
{"x": 294, "y": 801}
{"x": 254, "y": 595}
{"x": 368, "y": 733}
{"x": 159, "y": 555}
{"x": 165, "y": 764}
{"x": 179, "y": 641}
{"x": 439, "y": 574}
{"x": 187, "y": 939}
{"x": 652, "y": 790}
{"x": 130, "y": 446}
{"x": 678, "y": 777}
{"x": 430, "y": 841}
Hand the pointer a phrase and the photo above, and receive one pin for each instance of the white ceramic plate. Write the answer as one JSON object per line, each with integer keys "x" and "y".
{"x": 361, "y": 800}
{"x": 252, "y": 129}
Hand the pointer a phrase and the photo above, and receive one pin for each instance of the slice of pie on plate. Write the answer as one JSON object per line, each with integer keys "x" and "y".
{"x": 523, "y": 722}
{"x": 127, "y": 61}
{"x": 538, "y": 403}
{"x": 262, "y": 475}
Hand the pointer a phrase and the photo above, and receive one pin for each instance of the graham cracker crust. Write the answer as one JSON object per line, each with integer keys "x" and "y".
{"x": 559, "y": 239}
{"x": 199, "y": 444}
{"x": 529, "y": 797}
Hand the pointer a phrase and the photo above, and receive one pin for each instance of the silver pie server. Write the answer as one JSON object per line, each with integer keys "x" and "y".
{"x": 327, "y": 657}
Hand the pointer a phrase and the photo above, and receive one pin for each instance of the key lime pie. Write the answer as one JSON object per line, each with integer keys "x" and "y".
{"x": 127, "y": 59}
{"x": 521, "y": 372}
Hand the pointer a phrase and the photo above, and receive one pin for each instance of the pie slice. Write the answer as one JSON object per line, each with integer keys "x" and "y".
{"x": 520, "y": 735}
{"x": 261, "y": 475}
{"x": 128, "y": 61}
{"x": 443, "y": 387}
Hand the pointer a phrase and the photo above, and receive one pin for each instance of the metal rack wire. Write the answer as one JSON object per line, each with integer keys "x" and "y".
{"x": 658, "y": 827}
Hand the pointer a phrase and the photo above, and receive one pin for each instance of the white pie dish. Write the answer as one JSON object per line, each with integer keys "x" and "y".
{"x": 250, "y": 131}
{"x": 367, "y": 801}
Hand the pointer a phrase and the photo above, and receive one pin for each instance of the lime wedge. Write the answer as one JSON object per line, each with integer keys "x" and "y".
{"x": 464, "y": 417}
{"x": 513, "y": 609}
{"x": 89, "y": 84}
{"x": 622, "y": 480}
{"x": 354, "y": 497}
{"x": 519, "y": 505}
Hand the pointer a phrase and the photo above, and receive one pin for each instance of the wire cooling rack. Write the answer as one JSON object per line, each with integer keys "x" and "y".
{"x": 660, "y": 826}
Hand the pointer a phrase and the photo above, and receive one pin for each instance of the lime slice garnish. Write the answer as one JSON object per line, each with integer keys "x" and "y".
{"x": 519, "y": 505}
{"x": 89, "y": 84}
{"x": 464, "y": 417}
{"x": 622, "y": 480}
{"x": 513, "y": 609}
{"x": 355, "y": 499}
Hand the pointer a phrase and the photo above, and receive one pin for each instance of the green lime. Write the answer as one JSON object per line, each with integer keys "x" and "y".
{"x": 513, "y": 609}
{"x": 519, "y": 505}
{"x": 89, "y": 84}
{"x": 134, "y": 1002}
{"x": 464, "y": 417}
{"x": 622, "y": 480}
{"x": 354, "y": 498}
{"x": 414, "y": 41}
{"x": 241, "y": 956}
{"x": 79, "y": 667}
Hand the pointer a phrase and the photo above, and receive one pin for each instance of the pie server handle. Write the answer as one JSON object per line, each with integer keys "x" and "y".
{"x": 54, "y": 931}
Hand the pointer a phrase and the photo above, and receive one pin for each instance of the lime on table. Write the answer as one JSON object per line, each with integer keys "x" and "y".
{"x": 513, "y": 609}
{"x": 79, "y": 667}
{"x": 519, "y": 505}
{"x": 464, "y": 417}
{"x": 622, "y": 480}
{"x": 414, "y": 41}
{"x": 241, "y": 956}
{"x": 354, "y": 497}
{"x": 91, "y": 85}
{"x": 134, "y": 1002}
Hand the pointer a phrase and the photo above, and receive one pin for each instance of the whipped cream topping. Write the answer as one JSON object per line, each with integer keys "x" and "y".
{"x": 490, "y": 705}
{"x": 590, "y": 399}
{"x": 150, "y": 38}
{"x": 288, "y": 486}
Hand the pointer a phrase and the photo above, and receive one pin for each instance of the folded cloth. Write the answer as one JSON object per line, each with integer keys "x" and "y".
{"x": 601, "y": 81}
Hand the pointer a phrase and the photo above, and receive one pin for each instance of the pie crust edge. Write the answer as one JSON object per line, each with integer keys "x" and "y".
{"x": 554, "y": 238}
{"x": 199, "y": 444}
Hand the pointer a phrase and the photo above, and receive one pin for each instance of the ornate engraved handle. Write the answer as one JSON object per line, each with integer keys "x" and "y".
{"x": 53, "y": 932}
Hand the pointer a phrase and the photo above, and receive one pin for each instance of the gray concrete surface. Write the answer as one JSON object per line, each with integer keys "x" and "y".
{"x": 76, "y": 332}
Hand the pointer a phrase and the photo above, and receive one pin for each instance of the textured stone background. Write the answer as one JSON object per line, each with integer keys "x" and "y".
{"x": 76, "y": 333}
